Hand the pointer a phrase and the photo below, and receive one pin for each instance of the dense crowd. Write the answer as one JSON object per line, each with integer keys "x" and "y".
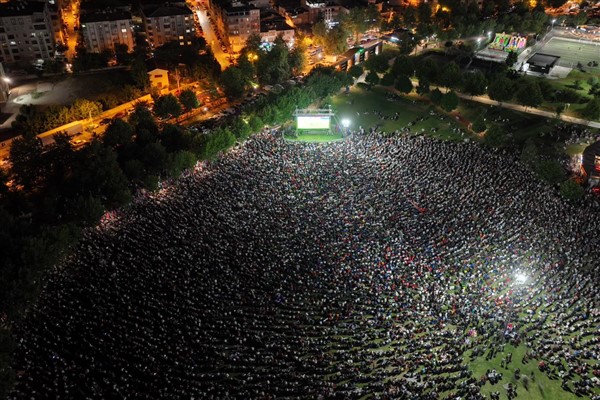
{"x": 381, "y": 266}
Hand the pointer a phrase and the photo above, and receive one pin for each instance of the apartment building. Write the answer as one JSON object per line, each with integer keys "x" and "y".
{"x": 103, "y": 29}
{"x": 240, "y": 21}
{"x": 273, "y": 25}
{"x": 168, "y": 22}
{"x": 25, "y": 32}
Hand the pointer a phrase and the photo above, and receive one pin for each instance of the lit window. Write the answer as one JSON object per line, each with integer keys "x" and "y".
{"x": 123, "y": 30}
{"x": 83, "y": 25}
{"x": 187, "y": 30}
{"x": 181, "y": 37}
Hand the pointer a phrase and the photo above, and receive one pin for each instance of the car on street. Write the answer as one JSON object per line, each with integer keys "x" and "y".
{"x": 105, "y": 121}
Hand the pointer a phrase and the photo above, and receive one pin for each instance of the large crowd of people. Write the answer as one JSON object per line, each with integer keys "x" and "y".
{"x": 385, "y": 267}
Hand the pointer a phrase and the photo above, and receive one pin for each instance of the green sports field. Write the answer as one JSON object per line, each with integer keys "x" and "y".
{"x": 572, "y": 51}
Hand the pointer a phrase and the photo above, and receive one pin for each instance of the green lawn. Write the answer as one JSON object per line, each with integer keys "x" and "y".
{"x": 367, "y": 108}
{"x": 542, "y": 388}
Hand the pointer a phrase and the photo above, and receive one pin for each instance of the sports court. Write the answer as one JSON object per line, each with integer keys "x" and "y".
{"x": 572, "y": 51}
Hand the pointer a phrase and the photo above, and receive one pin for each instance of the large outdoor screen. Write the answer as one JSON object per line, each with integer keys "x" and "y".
{"x": 309, "y": 122}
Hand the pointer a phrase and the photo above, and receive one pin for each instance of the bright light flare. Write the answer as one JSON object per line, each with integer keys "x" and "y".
{"x": 345, "y": 122}
{"x": 521, "y": 278}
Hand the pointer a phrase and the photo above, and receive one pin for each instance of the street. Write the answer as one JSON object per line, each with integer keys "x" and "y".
{"x": 211, "y": 39}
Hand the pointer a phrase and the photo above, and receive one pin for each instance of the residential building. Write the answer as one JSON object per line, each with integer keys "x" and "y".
{"x": 240, "y": 21}
{"x": 103, "y": 29}
{"x": 25, "y": 32}
{"x": 167, "y": 23}
{"x": 273, "y": 25}
{"x": 159, "y": 78}
{"x": 305, "y": 13}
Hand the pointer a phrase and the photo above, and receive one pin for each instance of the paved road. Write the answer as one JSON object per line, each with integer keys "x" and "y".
{"x": 71, "y": 21}
{"x": 212, "y": 40}
{"x": 529, "y": 110}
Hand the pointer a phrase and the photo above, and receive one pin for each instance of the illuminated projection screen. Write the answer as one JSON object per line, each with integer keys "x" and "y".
{"x": 312, "y": 122}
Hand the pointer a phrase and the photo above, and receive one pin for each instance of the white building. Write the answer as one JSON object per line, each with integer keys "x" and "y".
{"x": 102, "y": 30}
{"x": 167, "y": 23}
{"x": 25, "y": 32}
{"x": 240, "y": 21}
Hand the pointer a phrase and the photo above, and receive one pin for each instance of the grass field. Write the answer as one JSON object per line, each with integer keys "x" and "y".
{"x": 369, "y": 108}
{"x": 572, "y": 51}
{"x": 313, "y": 137}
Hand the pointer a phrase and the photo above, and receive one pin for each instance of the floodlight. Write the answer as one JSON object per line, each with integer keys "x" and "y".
{"x": 346, "y": 122}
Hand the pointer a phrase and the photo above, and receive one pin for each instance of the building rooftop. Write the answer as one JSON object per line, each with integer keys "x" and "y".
{"x": 165, "y": 10}
{"x": 104, "y": 15}
{"x": 237, "y": 7}
{"x": 21, "y": 8}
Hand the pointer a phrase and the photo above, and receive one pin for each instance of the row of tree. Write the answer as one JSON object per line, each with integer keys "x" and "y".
{"x": 34, "y": 120}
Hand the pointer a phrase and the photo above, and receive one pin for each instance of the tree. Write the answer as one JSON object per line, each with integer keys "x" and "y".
{"x": 423, "y": 87}
{"x": 139, "y": 73}
{"x": 529, "y": 94}
{"x": 86, "y": 210}
{"x": 189, "y": 100}
{"x": 592, "y": 109}
{"x": 167, "y": 106}
{"x": 388, "y": 80}
{"x": 500, "y": 89}
{"x": 450, "y": 76}
{"x": 118, "y": 133}
{"x": 571, "y": 190}
{"x": 97, "y": 172}
{"x": 372, "y": 79}
{"x": 511, "y": 59}
{"x": 428, "y": 69}
{"x": 403, "y": 65}
{"x": 409, "y": 17}
{"x": 436, "y": 96}
{"x": 154, "y": 157}
{"x": 403, "y": 84}
{"x": 550, "y": 171}
{"x": 122, "y": 54}
{"x": 479, "y": 125}
{"x": 272, "y": 67}
{"x": 355, "y": 71}
{"x": 25, "y": 155}
{"x": 335, "y": 41}
{"x": 449, "y": 101}
{"x": 494, "y": 137}
{"x": 475, "y": 83}
{"x": 180, "y": 161}
{"x": 297, "y": 58}
{"x": 232, "y": 82}
{"x": 378, "y": 63}
{"x": 83, "y": 109}
{"x": 255, "y": 123}
{"x": 358, "y": 20}
{"x": 530, "y": 153}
